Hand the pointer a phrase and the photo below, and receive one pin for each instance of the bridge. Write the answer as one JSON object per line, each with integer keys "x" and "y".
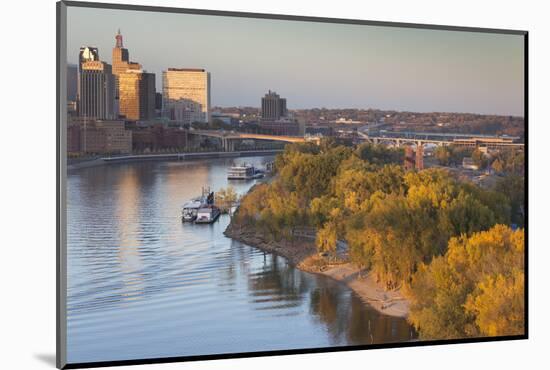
{"x": 446, "y": 136}
{"x": 462, "y": 140}
{"x": 229, "y": 138}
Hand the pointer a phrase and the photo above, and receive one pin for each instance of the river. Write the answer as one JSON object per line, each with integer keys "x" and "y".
{"x": 141, "y": 284}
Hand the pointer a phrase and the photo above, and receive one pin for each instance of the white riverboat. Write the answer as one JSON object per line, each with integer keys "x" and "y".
{"x": 244, "y": 172}
{"x": 190, "y": 209}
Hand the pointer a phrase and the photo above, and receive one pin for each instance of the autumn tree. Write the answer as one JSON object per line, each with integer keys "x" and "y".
{"x": 512, "y": 186}
{"x": 499, "y": 305}
{"x": 327, "y": 238}
{"x": 379, "y": 154}
{"x": 475, "y": 289}
{"x": 226, "y": 198}
{"x": 509, "y": 161}
{"x": 443, "y": 155}
{"x": 498, "y": 165}
{"x": 479, "y": 158}
{"x": 451, "y": 154}
{"x": 425, "y": 231}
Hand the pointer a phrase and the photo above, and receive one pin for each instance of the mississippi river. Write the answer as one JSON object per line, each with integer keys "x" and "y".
{"x": 143, "y": 285}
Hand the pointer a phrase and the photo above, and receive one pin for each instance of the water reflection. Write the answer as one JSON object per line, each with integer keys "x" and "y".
{"x": 276, "y": 285}
{"x": 141, "y": 284}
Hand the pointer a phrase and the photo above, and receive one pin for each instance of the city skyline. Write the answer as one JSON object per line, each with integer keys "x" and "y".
{"x": 329, "y": 65}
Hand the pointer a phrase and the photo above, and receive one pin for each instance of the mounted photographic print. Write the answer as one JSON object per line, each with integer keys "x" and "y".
{"x": 238, "y": 184}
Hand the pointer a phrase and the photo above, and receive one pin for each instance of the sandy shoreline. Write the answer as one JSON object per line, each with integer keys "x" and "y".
{"x": 303, "y": 254}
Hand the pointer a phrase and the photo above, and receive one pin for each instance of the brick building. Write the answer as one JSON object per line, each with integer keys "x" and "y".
{"x": 99, "y": 137}
{"x": 159, "y": 137}
{"x": 282, "y": 128}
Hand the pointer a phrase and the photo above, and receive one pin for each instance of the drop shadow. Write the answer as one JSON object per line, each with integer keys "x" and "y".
{"x": 47, "y": 358}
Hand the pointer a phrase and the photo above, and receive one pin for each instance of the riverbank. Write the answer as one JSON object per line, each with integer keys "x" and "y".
{"x": 73, "y": 165}
{"x": 302, "y": 253}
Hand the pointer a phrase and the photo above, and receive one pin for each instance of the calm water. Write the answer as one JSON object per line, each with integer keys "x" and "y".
{"x": 143, "y": 285}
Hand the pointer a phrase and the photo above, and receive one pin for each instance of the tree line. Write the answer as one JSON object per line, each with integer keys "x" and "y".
{"x": 511, "y": 161}
{"x": 406, "y": 227}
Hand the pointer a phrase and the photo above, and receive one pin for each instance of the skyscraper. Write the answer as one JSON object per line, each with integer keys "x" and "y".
{"x": 137, "y": 95}
{"x": 96, "y": 91}
{"x": 85, "y": 54}
{"x": 121, "y": 64}
{"x": 186, "y": 95}
{"x": 273, "y": 107}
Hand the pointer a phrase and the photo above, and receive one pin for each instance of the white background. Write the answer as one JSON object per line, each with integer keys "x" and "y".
{"x": 27, "y": 207}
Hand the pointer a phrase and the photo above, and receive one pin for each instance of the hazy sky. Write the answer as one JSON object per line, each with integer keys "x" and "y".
{"x": 317, "y": 64}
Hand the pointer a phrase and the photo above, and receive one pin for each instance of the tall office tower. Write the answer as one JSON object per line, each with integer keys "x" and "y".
{"x": 121, "y": 62}
{"x": 121, "y": 57}
{"x": 96, "y": 91}
{"x": 186, "y": 95}
{"x": 137, "y": 95}
{"x": 273, "y": 107}
{"x": 86, "y": 54}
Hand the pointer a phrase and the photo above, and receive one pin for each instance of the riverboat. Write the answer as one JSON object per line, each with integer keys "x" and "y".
{"x": 244, "y": 172}
{"x": 208, "y": 214}
{"x": 191, "y": 208}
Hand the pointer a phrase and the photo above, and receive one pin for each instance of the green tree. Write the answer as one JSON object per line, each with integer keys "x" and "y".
{"x": 327, "y": 238}
{"x": 379, "y": 154}
{"x": 459, "y": 153}
{"x": 511, "y": 161}
{"x": 443, "y": 155}
{"x": 479, "y": 158}
{"x": 512, "y": 186}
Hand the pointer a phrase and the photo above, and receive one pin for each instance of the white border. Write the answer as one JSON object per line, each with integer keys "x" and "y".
{"x": 28, "y": 181}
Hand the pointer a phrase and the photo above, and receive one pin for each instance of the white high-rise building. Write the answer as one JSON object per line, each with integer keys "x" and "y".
{"x": 186, "y": 95}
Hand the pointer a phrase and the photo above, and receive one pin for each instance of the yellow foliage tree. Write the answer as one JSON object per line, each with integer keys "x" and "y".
{"x": 327, "y": 238}
{"x": 499, "y": 305}
{"x": 475, "y": 289}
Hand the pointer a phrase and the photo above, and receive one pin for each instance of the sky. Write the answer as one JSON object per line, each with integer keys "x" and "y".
{"x": 314, "y": 64}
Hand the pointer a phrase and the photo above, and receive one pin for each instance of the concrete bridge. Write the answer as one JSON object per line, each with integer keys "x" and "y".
{"x": 229, "y": 138}
{"x": 469, "y": 141}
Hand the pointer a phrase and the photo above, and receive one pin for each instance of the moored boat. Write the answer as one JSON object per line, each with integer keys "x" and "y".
{"x": 244, "y": 172}
{"x": 208, "y": 214}
{"x": 191, "y": 208}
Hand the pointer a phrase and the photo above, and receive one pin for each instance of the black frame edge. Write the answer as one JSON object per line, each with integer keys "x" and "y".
{"x": 526, "y": 178}
{"x": 287, "y": 17}
{"x": 61, "y": 277}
